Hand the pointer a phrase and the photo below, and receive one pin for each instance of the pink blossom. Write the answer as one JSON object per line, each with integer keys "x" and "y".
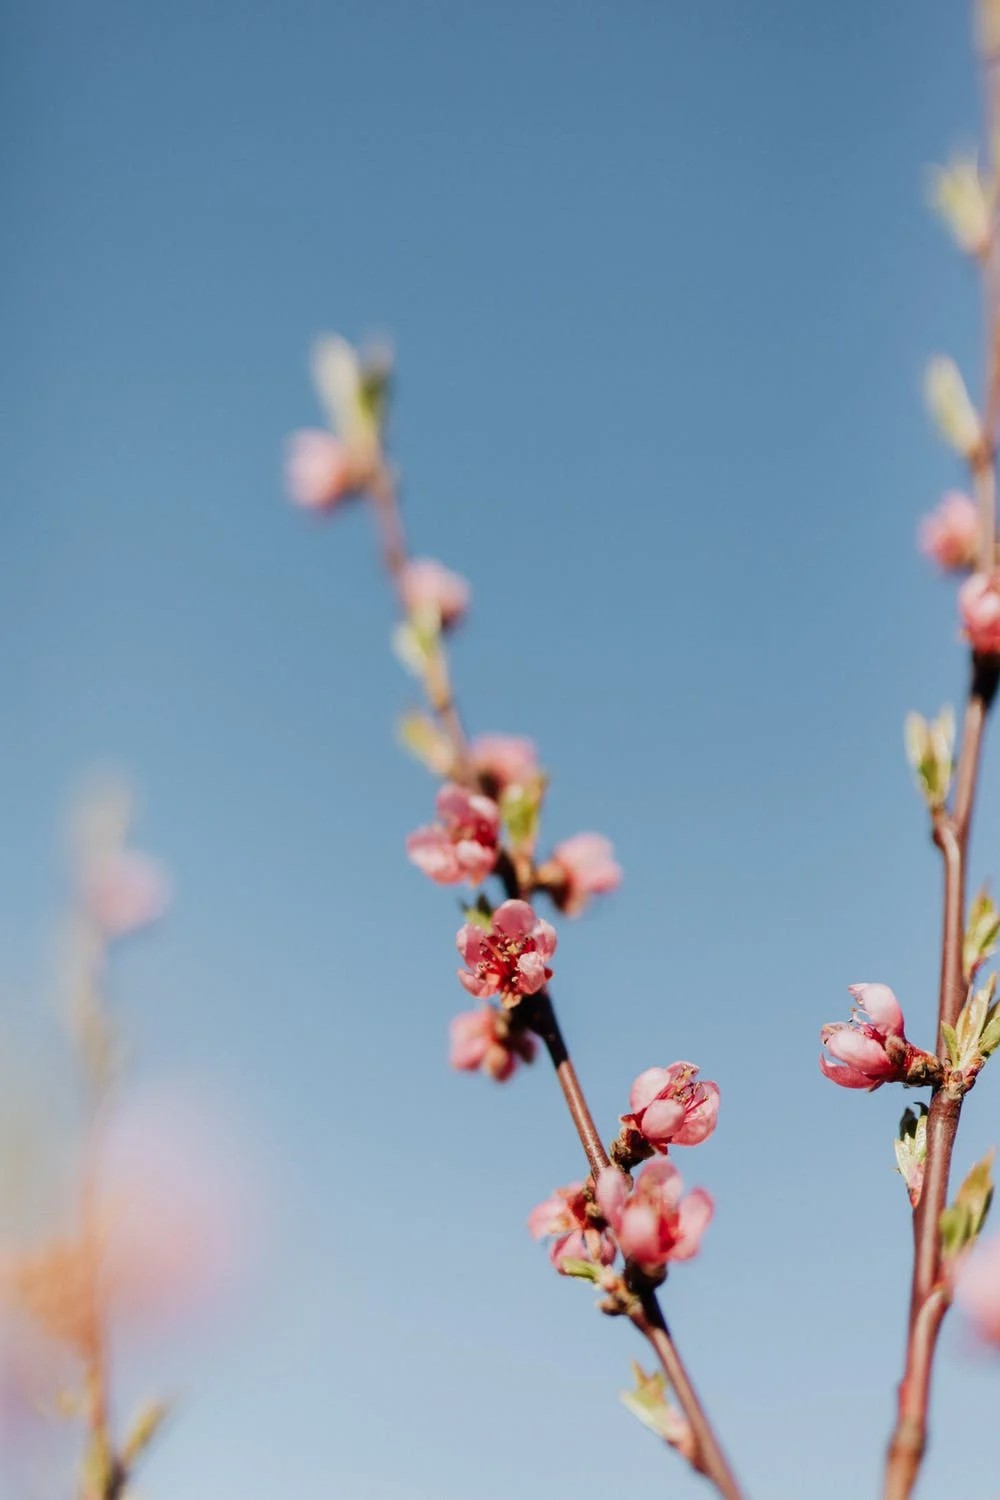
{"x": 670, "y": 1107}
{"x": 462, "y": 845}
{"x": 859, "y": 1047}
{"x": 483, "y": 1039}
{"x": 977, "y": 1288}
{"x": 123, "y": 891}
{"x": 512, "y": 958}
{"x": 653, "y": 1224}
{"x": 501, "y": 760}
{"x": 427, "y": 584}
{"x": 581, "y": 867}
{"x": 318, "y": 470}
{"x": 979, "y": 607}
{"x": 563, "y": 1218}
{"x": 950, "y": 534}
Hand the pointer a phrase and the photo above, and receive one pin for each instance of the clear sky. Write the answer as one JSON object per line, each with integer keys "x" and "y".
{"x": 662, "y": 283}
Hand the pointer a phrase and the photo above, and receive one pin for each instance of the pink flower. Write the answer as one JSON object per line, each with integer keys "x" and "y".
{"x": 581, "y": 867}
{"x": 483, "y": 1039}
{"x": 950, "y": 534}
{"x": 512, "y": 958}
{"x": 977, "y": 1288}
{"x": 426, "y": 584}
{"x": 979, "y": 607}
{"x": 653, "y": 1224}
{"x": 123, "y": 891}
{"x": 463, "y": 844}
{"x": 563, "y": 1218}
{"x": 501, "y": 760}
{"x": 669, "y": 1107}
{"x": 861, "y": 1048}
{"x": 318, "y": 470}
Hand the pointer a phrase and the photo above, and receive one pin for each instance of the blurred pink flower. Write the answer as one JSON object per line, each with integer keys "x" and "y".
{"x": 977, "y": 1288}
{"x": 859, "y": 1047}
{"x": 979, "y": 607}
{"x": 581, "y": 867}
{"x": 502, "y": 760}
{"x": 483, "y": 1039}
{"x": 512, "y": 958}
{"x": 318, "y": 470}
{"x": 950, "y": 534}
{"x": 669, "y": 1107}
{"x": 124, "y": 890}
{"x": 463, "y": 844}
{"x": 563, "y": 1218}
{"x": 653, "y": 1224}
{"x": 427, "y": 584}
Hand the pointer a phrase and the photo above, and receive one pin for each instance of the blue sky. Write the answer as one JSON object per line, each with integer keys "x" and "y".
{"x": 662, "y": 283}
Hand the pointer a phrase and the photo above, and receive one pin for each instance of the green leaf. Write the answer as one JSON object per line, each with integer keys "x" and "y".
{"x": 962, "y": 1221}
{"x": 951, "y": 1042}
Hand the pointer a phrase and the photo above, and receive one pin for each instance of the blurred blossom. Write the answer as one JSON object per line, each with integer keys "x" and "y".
{"x": 462, "y": 845}
{"x": 317, "y": 469}
{"x": 564, "y": 1219}
{"x": 977, "y": 1288}
{"x": 979, "y": 608}
{"x": 501, "y": 760}
{"x": 580, "y": 867}
{"x": 950, "y": 534}
{"x": 651, "y": 1220}
{"x": 426, "y": 584}
{"x": 123, "y": 891}
{"x": 484, "y": 1041}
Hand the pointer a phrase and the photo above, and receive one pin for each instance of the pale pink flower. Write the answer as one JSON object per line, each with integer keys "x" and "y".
{"x": 977, "y": 1288}
{"x": 563, "y": 1218}
{"x": 318, "y": 470}
{"x": 950, "y": 534}
{"x": 581, "y": 867}
{"x": 859, "y": 1046}
{"x": 483, "y": 1040}
{"x": 670, "y": 1107}
{"x": 426, "y": 584}
{"x": 979, "y": 607}
{"x": 501, "y": 760}
{"x": 124, "y": 890}
{"x": 462, "y": 845}
{"x": 512, "y": 958}
{"x": 653, "y": 1223}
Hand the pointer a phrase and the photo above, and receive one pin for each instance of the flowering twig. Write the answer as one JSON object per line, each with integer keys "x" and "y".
{"x": 973, "y": 219}
{"x": 505, "y": 950}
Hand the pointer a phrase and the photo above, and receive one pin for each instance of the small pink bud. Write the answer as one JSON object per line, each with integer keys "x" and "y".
{"x": 868, "y": 1053}
{"x": 426, "y": 584}
{"x": 564, "y": 1219}
{"x": 977, "y": 1288}
{"x": 123, "y": 891}
{"x": 979, "y": 607}
{"x": 501, "y": 760}
{"x": 581, "y": 867}
{"x": 950, "y": 534}
{"x": 669, "y": 1107}
{"x": 462, "y": 845}
{"x": 318, "y": 471}
{"x": 654, "y": 1224}
{"x": 482, "y": 1040}
{"x": 511, "y": 959}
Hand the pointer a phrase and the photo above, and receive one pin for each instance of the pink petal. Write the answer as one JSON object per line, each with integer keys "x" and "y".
{"x": 660, "y": 1179}
{"x": 471, "y": 944}
{"x": 700, "y": 1121}
{"x": 848, "y": 1078}
{"x": 545, "y": 938}
{"x": 471, "y": 1033}
{"x": 851, "y": 1046}
{"x": 432, "y": 853}
{"x": 531, "y": 973}
{"x": 639, "y": 1234}
{"x": 693, "y": 1218}
{"x": 514, "y": 920}
{"x": 881, "y": 1004}
{"x": 611, "y": 1193}
{"x": 482, "y": 986}
{"x": 648, "y": 1084}
{"x": 662, "y": 1120}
